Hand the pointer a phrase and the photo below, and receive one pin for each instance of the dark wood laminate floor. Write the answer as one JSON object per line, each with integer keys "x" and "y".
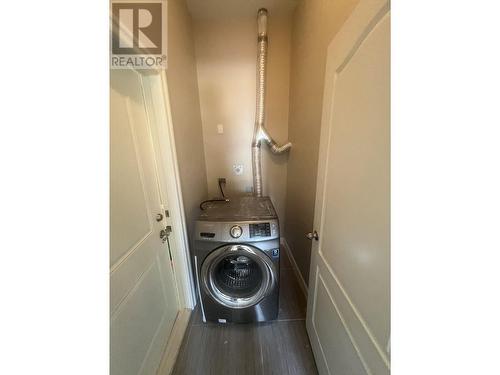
{"x": 277, "y": 347}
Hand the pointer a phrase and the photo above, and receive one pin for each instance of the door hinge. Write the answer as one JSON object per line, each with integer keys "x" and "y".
{"x": 313, "y": 235}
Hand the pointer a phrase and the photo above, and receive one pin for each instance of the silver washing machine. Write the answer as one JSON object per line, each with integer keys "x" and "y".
{"x": 236, "y": 257}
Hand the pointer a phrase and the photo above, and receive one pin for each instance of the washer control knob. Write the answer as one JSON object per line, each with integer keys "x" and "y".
{"x": 235, "y": 231}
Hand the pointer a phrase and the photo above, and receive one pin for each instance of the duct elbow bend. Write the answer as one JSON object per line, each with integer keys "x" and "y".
{"x": 275, "y": 149}
{"x": 273, "y": 146}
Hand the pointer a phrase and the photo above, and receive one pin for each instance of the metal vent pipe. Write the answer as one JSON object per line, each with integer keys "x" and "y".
{"x": 260, "y": 133}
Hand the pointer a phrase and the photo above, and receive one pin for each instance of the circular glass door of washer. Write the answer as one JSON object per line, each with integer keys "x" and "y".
{"x": 238, "y": 276}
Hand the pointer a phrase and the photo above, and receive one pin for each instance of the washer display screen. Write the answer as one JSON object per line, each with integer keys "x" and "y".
{"x": 260, "y": 230}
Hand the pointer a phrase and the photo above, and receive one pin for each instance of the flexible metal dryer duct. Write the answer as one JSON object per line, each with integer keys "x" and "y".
{"x": 260, "y": 133}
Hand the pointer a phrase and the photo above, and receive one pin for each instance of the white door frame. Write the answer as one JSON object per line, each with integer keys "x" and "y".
{"x": 158, "y": 106}
{"x": 165, "y": 151}
{"x": 162, "y": 133}
{"x": 170, "y": 188}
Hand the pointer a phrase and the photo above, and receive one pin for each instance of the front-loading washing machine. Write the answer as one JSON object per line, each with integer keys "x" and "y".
{"x": 236, "y": 257}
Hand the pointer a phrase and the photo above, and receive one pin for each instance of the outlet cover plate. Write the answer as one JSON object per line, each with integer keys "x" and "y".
{"x": 238, "y": 169}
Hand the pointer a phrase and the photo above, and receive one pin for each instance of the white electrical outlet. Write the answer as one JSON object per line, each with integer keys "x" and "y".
{"x": 220, "y": 129}
{"x": 238, "y": 169}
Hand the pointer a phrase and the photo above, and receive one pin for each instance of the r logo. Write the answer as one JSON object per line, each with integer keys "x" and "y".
{"x": 137, "y": 28}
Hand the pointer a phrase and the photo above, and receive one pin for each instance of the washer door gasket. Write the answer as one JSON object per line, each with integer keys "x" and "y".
{"x": 238, "y": 276}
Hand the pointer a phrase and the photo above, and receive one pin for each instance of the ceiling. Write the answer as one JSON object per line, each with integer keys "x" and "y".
{"x": 224, "y": 9}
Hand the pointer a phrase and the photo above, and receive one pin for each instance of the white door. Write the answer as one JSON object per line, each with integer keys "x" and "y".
{"x": 144, "y": 299}
{"x": 348, "y": 312}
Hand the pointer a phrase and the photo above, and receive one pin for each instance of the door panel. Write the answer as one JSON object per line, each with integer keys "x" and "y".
{"x": 349, "y": 315}
{"x": 357, "y": 190}
{"x": 367, "y": 351}
{"x": 143, "y": 301}
{"x": 340, "y": 358}
{"x": 135, "y": 327}
{"x": 126, "y": 167}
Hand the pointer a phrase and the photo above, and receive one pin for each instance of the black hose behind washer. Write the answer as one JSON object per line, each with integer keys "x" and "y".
{"x": 213, "y": 200}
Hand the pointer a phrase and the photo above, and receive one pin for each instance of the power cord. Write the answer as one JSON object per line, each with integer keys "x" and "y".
{"x": 222, "y": 181}
{"x": 223, "y": 199}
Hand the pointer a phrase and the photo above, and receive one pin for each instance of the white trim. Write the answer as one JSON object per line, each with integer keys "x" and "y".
{"x": 171, "y": 198}
{"x": 162, "y": 135}
{"x": 171, "y": 191}
{"x": 176, "y": 203}
{"x": 174, "y": 343}
{"x": 295, "y": 267}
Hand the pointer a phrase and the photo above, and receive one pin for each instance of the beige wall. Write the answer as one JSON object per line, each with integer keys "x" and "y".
{"x": 315, "y": 23}
{"x": 184, "y": 101}
{"x": 224, "y": 73}
{"x": 226, "y": 54}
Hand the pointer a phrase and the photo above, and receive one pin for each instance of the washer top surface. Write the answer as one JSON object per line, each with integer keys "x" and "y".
{"x": 239, "y": 209}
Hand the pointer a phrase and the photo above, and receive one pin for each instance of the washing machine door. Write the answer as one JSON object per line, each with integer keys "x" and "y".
{"x": 238, "y": 276}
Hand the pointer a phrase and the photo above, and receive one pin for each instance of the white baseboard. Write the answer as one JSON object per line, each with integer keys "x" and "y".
{"x": 302, "y": 283}
{"x": 174, "y": 342}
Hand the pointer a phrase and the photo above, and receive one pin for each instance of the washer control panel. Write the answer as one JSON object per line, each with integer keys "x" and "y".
{"x": 260, "y": 230}
{"x": 246, "y": 231}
